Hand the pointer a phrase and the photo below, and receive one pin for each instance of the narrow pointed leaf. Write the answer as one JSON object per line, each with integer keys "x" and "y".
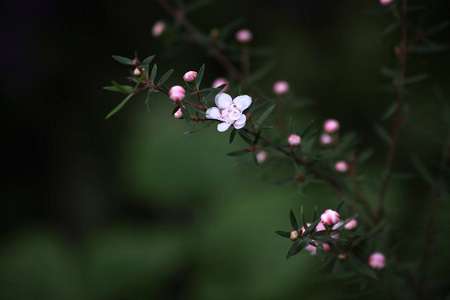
{"x": 154, "y": 73}
{"x": 232, "y": 135}
{"x": 284, "y": 234}
{"x": 119, "y": 107}
{"x": 165, "y": 77}
{"x": 293, "y": 220}
{"x": 201, "y": 73}
{"x": 264, "y": 115}
{"x": 147, "y": 61}
{"x": 123, "y": 60}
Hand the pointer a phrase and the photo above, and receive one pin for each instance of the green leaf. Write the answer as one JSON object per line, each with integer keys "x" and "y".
{"x": 293, "y": 220}
{"x": 295, "y": 248}
{"x": 264, "y": 115}
{"x": 284, "y": 234}
{"x": 232, "y": 135}
{"x": 119, "y": 88}
{"x": 382, "y": 133}
{"x": 422, "y": 169}
{"x": 147, "y": 61}
{"x": 389, "y": 72}
{"x": 165, "y": 77}
{"x": 123, "y": 60}
{"x": 154, "y": 73}
{"x": 415, "y": 79}
{"x": 365, "y": 155}
{"x": 120, "y": 106}
{"x": 390, "y": 111}
{"x": 201, "y": 73}
{"x": 197, "y": 5}
{"x": 260, "y": 73}
{"x": 245, "y": 137}
{"x": 147, "y": 99}
{"x": 238, "y": 152}
{"x": 307, "y": 129}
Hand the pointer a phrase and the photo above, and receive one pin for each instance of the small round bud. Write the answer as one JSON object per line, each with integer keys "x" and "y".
{"x": 303, "y": 229}
{"x": 341, "y": 166}
{"x": 331, "y": 126}
{"x": 190, "y": 76}
{"x": 261, "y": 156}
{"x": 220, "y": 82}
{"x": 178, "y": 114}
{"x": 311, "y": 249}
{"x": 330, "y": 217}
{"x": 294, "y": 235}
{"x": 326, "y": 247}
{"x": 244, "y": 36}
{"x": 352, "y": 224}
{"x": 377, "y": 261}
{"x": 281, "y": 87}
{"x": 294, "y": 140}
{"x": 158, "y": 28}
{"x": 386, "y": 2}
{"x": 326, "y": 139}
{"x": 137, "y": 72}
{"x": 177, "y": 93}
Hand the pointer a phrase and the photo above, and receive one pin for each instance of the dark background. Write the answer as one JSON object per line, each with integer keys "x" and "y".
{"x": 131, "y": 208}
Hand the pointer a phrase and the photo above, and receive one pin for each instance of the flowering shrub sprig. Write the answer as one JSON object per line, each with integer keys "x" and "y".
{"x": 320, "y": 151}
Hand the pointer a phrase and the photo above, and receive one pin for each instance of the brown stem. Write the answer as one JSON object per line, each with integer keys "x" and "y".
{"x": 401, "y": 52}
{"x": 179, "y": 15}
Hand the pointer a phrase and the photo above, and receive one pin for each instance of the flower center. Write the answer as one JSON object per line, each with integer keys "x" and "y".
{"x": 230, "y": 114}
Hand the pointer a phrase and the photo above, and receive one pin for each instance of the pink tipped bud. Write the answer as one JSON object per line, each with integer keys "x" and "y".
{"x": 330, "y": 217}
{"x": 177, "y": 93}
{"x": 341, "y": 166}
{"x": 311, "y": 249}
{"x": 326, "y": 247}
{"x": 294, "y": 140}
{"x": 386, "y": 2}
{"x": 320, "y": 227}
{"x": 158, "y": 28}
{"x": 294, "y": 235}
{"x": 137, "y": 72}
{"x": 190, "y": 76}
{"x": 331, "y": 126}
{"x": 377, "y": 261}
{"x": 220, "y": 82}
{"x": 178, "y": 114}
{"x": 281, "y": 87}
{"x": 352, "y": 224}
{"x": 261, "y": 156}
{"x": 244, "y": 36}
{"x": 326, "y": 139}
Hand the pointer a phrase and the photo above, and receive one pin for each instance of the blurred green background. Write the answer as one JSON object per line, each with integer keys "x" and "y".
{"x": 131, "y": 208}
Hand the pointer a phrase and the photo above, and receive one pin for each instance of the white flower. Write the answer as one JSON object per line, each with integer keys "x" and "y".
{"x": 229, "y": 111}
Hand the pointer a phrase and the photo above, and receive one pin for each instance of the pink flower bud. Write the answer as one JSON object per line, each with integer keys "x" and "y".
{"x": 352, "y": 224}
{"x": 137, "y": 72}
{"x": 281, "y": 87}
{"x": 341, "y": 166}
{"x": 326, "y": 247}
{"x": 326, "y": 139}
{"x": 190, "y": 76}
{"x": 377, "y": 261}
{"x": 177, "y": 93}
{"x": 294, "y": 140}
{"x": 386, "y": 2}
{"x": 320, "y": 227}
{"x": 220, "y": 82}
{"x": 244, "y": 36}
{"x": 261, "y": 156}
{"x": 330, "y": 217}
{"x": 178, "y": 114}
{"x": 158, "y": 28}
{"x": 294, "y": 235}
{"x": 331, "y": 126}
{"x": 311, "y": 249}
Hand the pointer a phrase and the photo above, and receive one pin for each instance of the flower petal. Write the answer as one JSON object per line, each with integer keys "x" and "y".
{"x": 240, "y": 123}
{"x": 213, "y": 113}
{"x": 242, "y": 102}
{"x": 221, "y": 127}
{"x": 223, "y": 100}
